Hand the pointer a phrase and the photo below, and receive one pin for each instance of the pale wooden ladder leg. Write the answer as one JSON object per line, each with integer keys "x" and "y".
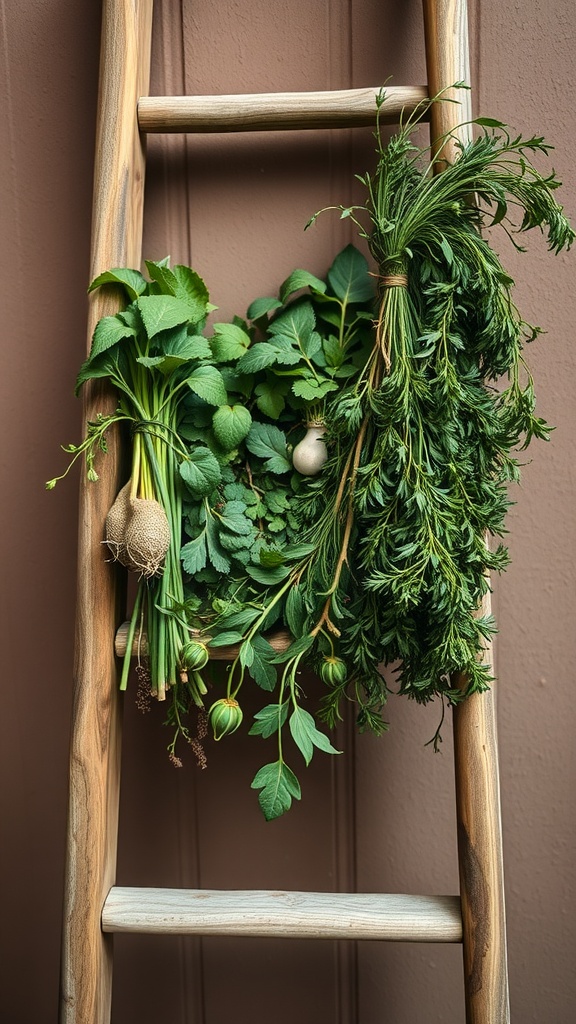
{"x": 95, "y": 747}
{"x": 475, "y": 732}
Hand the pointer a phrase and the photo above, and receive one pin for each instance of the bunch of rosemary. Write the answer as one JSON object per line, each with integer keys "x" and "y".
{"x": 422, "y": 443}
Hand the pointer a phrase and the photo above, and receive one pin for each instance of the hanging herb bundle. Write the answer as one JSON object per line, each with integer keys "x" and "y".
{"x": 422, "y": 444}
{"x": 411, "y": 412}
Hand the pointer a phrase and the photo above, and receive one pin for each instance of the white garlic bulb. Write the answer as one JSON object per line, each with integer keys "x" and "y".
{"x": 310, "y": 454}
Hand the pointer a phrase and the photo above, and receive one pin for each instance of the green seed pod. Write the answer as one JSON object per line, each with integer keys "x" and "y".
{"x": 225, "y": 717}
{"x": 333, "y": 671}
{"x": 194, "y": 655}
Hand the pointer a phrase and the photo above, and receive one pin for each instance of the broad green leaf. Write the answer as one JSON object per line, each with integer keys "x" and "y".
{"x": 349, "y": 278}
{"x": 161, "y": 312}
{"x": 207, "y": 383}
{"x": 306, "y": 736}
{"x": 278, "y": 786}
{"x": 240, "y": 619}
{"x": 262, "y": 306}
{"x": 295, "y": 611}
{"x": 226, "y": 639}
{"x": 268, "y": 442}
{"x": 269, "y": 576}
{"x": 184, "y": 284}
{"x": 103, "y": 366}
{"x": 262, "y": 669}
{"x": 246, "y": 654}
{"x": 300, "y": 279}
{"x": 131, "y": 280}
{"x": 308, "y": 389}
{"x": 194, "y": 554}
{"x": 269, "y": 400}
{"x": 200, "y": 472}
{"x": 257, "y": 358}
{"x": 299, "y": 646}
{"x": 216, "y": 554}
{"x": 229, "y": 343}
{"x": 108, "y": 332}
{"x": 193, "y": 291}
{"x": 269, "y": 720}
{"x": 296, "y": 323}
{"x": 231, "y": 424}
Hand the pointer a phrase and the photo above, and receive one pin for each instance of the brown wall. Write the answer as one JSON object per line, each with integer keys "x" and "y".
{"x": 383, "y": 819}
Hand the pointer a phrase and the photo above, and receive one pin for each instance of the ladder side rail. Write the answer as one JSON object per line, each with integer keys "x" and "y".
{"x": 476, "y": 758}
{"x": 86, "y": 970}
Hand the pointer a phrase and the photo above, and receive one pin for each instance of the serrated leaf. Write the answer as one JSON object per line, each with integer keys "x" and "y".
{"x": 216, "y": 554}
{"x": 194, "y": 554}
{"x": 269, "y": 720}
{"x": 348, "y": 276}
{"x": 108, "y": 332}
{"x": 257, "y": 358}
{"x": 200, "y": 472}
{"x": 296, "y": 323}
{"x": 307, "y": 389}
{"x": 207, "y": 383}
{"x": 300, "y": 279}
{"x": 306, "y": 736}
{"x": 161, "y": 312}
{"x": 229, "y": 343}
{"x": 231, "y": 424}
{"x": 132, "y": 281}
{"x": 269, "y": 400}
{"x": 268, "y": 442}
{"x": 278, "y": 786}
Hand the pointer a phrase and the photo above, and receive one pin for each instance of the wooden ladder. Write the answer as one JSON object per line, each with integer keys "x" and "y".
{"x": 94, "y": 907}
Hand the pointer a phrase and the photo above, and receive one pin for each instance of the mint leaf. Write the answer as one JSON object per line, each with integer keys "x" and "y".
{"x": 131, "y": 280}
{"x": 279, "y": 785}
{"x": 268, "y": 442}
{"x": 161, "y": 312}
{"x": 230, "y": 424}
{"x": 229, "y": 343}
{"x": 108, "y": 332}
{"x": 306, "y": 736}
{"x": 207, "y": 383}
{"x": 200, "y": 472}
{"x": 257, "y": 358}
{"x": 296, "y": 323}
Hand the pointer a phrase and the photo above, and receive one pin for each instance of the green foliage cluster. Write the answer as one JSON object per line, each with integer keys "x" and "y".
{"x": 384, "y": 557}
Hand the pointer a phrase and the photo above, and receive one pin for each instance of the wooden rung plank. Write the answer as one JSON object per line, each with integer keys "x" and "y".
{"x": 345, "y": 108}
{"x": 280, "y": 640}
{"x": 277, "y": 914}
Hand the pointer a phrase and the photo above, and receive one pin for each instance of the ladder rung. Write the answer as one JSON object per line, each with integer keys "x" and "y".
{"x": 343, "y": 108}
{"x": 303, "y": 915}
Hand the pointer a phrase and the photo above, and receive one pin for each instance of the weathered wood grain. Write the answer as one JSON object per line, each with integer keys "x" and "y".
{"x": 279, "y": 640}
{"x": 475, "y": 730}
{"x": 95, "y": 748}
{"x": 343, "y": 108}
{"x": 279, "y": 914}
